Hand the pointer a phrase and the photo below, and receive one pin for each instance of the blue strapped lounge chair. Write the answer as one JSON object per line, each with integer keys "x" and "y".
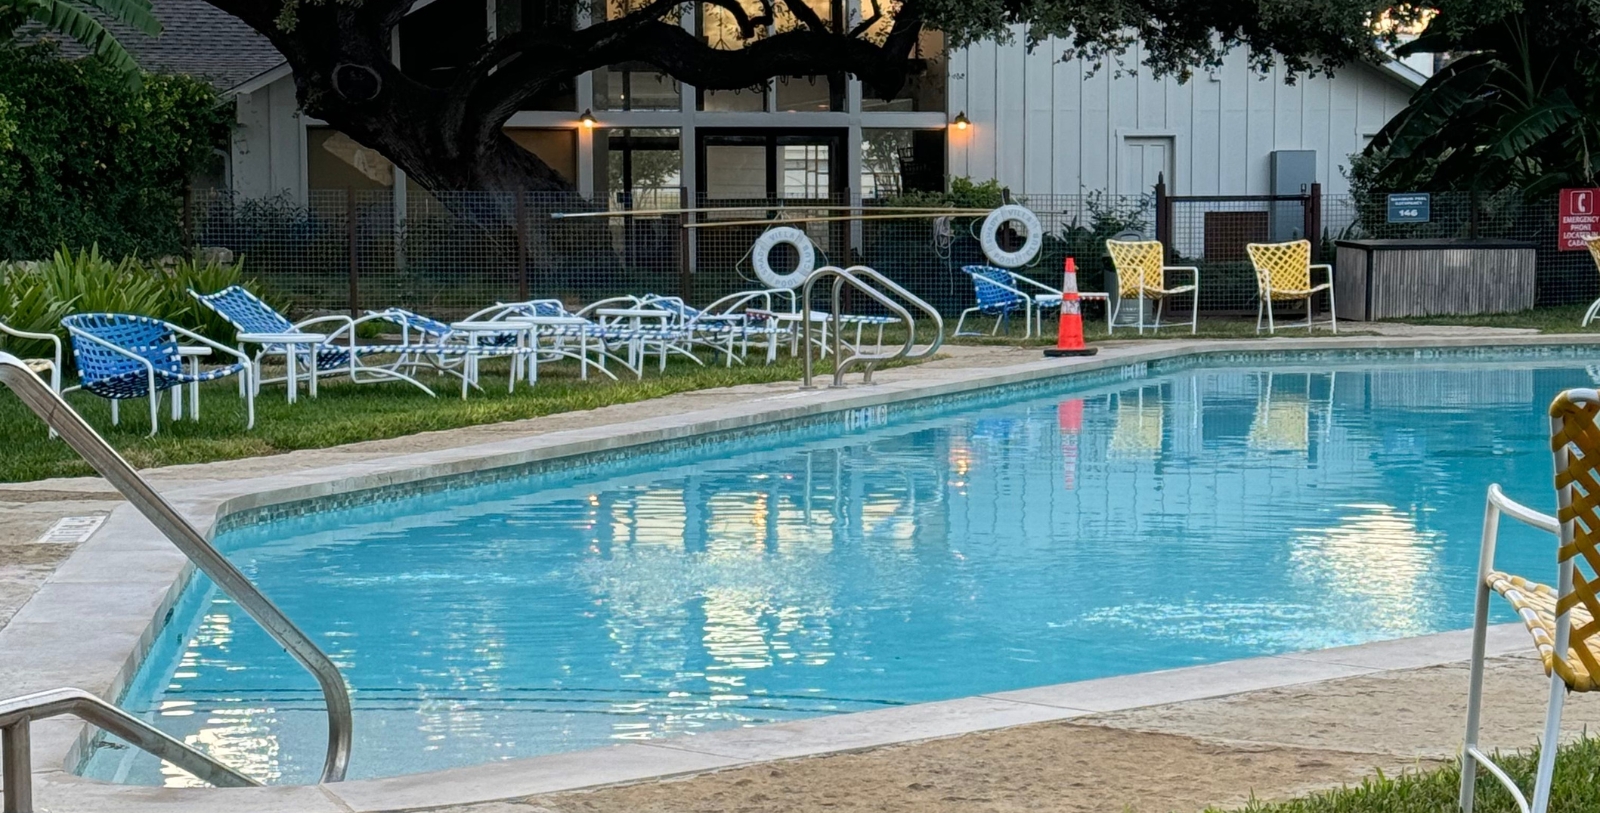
{"x": 121, "y": 357}
{"x": 338, "y": 353}
{"x": 425, "y": 340}
{"x": 705, "y": 327}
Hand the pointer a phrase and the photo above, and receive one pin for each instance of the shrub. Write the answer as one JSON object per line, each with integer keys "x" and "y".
{"x": 85, "y": 158}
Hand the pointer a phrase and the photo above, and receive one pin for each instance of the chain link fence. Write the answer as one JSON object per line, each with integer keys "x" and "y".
{"x": 451, "y": 254}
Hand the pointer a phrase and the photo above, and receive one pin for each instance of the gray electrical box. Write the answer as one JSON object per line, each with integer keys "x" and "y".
{"x": 1292, "y": 173}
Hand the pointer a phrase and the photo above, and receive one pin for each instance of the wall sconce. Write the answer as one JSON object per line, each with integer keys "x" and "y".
{"x": 962, "y": 122}
{"x": 587, "y": 119}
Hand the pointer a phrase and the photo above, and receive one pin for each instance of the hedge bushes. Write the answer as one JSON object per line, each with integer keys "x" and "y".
{"x": 85, "y": 159}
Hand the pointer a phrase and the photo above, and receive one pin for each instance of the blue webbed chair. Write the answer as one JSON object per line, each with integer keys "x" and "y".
{"x": 120, "y": 357}
{"x": 337, "y": 353}
{"x": 998, "y": 296}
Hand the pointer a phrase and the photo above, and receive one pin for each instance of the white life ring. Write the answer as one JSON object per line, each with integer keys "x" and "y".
{"x": 770, "y": 239}
{"x": 989, "y": 237}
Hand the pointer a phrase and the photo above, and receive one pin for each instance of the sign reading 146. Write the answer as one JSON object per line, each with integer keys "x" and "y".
{"x": 1410, "y": 207}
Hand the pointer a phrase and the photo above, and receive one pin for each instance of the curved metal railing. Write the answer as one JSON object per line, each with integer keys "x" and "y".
{"x": 915, "y": 301}
{"x": 83, "y": 439}
{"x": 841, "y": 365}
{"x": 18, "y": 713}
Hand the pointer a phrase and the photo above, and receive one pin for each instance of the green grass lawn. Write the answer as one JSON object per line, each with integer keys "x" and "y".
{"x": 342, "y": 413}
{"x": 1576, "y": 789}
{"x": 1561, "y": 319}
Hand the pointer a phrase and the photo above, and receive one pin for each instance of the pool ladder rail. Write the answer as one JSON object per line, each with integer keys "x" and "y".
{"x": 16, "y": 713}
{"x": 869, "y": 282}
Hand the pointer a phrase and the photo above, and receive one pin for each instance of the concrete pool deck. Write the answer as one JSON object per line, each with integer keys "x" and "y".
{"x": 106, "y": 596}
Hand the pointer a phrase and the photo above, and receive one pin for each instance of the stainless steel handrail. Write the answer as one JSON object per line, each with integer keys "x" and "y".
{"x": 916, "y": 302}
{"x": 16, "y": 765}
{"x": 86, "y": 442}
{"x": 842, "y": 365}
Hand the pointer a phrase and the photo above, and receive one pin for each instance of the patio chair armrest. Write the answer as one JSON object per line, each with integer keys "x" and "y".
{"x": 1325, "y": 267}
{"x": 606, "y": 303}
{"x": 52, "y": 338}
{"x": 728, "y": 304}
{"x": 1015, "y": 277}
{"x": 123, "y": 351}
{"x": 209, "y": 343}
{"x": 317, "y": 320}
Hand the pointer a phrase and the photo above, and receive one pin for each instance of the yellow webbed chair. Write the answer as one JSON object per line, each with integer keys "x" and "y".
{"x": 1283, "y": 273}
{"x": 1594, "y": 251}
{"x": 1142, "y": 274}
{"x": 1561, "y": 618}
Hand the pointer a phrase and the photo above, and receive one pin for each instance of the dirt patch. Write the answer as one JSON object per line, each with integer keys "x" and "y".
{"x": 1061, "y": 767}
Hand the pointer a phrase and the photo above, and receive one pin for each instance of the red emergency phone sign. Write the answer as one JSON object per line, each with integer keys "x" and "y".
{"x": 1580, "y": 218}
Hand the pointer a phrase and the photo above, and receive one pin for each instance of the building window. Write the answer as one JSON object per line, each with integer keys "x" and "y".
{"x": 894, "y": 162}
{"x": 810, "y": 93}
{"x": 557, "y": 148}
{"x": 806, "y": 173}
{"x": 633, "y": 85}
{"x": 643, "y": 168}
{"x": 720, "y": 29}
{"x": 511, "y": 17}
{"x": 922, "y": 93}
{"x": 336, "y": 161}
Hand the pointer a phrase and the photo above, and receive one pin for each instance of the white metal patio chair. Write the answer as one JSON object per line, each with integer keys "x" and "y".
{"x": 40, "y": 365}
{"x": 1561, "y": 619}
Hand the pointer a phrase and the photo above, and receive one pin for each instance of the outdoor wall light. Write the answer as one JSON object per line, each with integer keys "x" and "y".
{"x": 962, "y": 122}
{"x": 587, "y": 119}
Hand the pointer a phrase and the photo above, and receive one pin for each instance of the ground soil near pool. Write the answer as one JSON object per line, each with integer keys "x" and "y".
{"x": 1271, "y": 745}
{"x": 1062, "y": 767}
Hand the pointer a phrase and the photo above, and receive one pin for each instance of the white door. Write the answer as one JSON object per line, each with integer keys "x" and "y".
{"x": 1143, "y": 160}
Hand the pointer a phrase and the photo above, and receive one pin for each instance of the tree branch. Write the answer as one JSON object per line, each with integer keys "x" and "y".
{"x": 807, "y": 16}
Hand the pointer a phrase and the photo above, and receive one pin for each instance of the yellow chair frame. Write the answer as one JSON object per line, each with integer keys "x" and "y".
{"x": 1562, "y": 620}
{"x": 1142, "y": 273}
{"x": 1283, "y": 273}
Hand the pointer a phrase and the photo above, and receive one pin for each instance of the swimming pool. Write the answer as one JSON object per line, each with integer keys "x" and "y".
{"x": 1135, "y": 520}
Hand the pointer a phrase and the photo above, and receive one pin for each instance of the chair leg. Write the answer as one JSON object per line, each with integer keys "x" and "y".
{"x": 1160, "y": 303}
{"x": 155, "y": 411}
{"x": 1112, "y": 313}
{"x": 1589, "y": 315}
{"x": 1549, "y": 746}
{"x": 116, "y": 419}
{"x": 1480, "y": 633}
{"x": 1194, "y": 311}
{"x": 249, "y": 398}
{"x": 1141, "y": 311}
{"x": 1272, "y": 329}
{"x": 1333, "y": 313}
{"x": 1258, "y": 315}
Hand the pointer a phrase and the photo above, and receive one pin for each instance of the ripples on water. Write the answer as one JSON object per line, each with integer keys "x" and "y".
{"x": 1197, "y": 517}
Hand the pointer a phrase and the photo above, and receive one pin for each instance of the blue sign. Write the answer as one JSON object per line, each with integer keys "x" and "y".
{"x": 1410, "y": 207}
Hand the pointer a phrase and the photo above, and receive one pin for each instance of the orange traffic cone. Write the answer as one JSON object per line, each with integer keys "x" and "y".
{"x": 1069, "y": 338}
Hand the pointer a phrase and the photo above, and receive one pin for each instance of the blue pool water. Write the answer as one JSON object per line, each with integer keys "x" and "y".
{"x": 1176, "y": 519}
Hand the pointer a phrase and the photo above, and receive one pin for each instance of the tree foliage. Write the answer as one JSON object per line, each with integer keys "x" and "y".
{"x": 1518, "y": 106}
{"x": 73, "y": 18}
{"x": 85, "y": 158}
{"x": 446, "y": 128}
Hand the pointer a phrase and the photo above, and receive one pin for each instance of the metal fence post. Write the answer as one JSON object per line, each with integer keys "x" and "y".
{"x": 1313, "y": 225}
{"x": 685, "y": 248}
{"x": 1163, "y": 217}
{"x": 522, "y": 247}
{"x": 355, "y": 262}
